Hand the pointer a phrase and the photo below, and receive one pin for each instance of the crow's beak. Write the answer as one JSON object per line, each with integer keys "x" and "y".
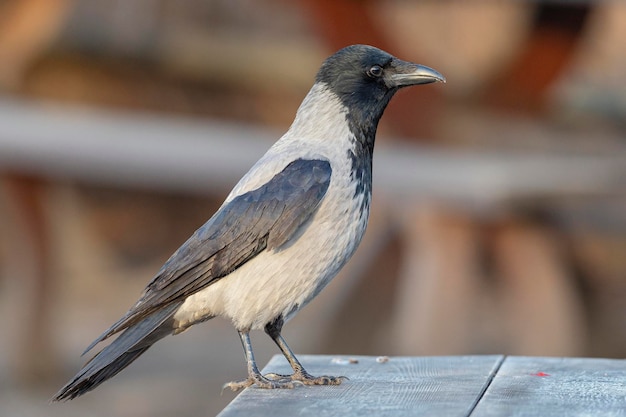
{"x": 407, "y": 73}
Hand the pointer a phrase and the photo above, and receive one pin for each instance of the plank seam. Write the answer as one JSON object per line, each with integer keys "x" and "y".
{"x": 492, "y": 376}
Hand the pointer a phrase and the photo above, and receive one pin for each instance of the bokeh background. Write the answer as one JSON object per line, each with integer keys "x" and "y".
{"x": 499, "y": 213}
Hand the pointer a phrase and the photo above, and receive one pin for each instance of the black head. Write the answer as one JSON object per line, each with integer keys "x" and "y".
{"x": 365, "y": 78}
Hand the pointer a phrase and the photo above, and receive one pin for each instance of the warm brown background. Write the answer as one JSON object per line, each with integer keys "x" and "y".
{"x": 535, "y": 275}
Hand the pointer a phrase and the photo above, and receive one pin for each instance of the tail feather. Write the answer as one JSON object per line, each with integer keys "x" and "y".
{"x": 129, "y": 345}
{"x": 81, "y": 385}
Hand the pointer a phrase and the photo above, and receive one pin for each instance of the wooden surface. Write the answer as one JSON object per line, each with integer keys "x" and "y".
{"x": 446, "y": 386}
{"x": 531, "y": 386}
{"x": 426, "y": 386}
{"x": 198, "y": 156}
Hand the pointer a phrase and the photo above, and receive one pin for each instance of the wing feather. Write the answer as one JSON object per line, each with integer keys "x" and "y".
{"x": 262, "y": 219}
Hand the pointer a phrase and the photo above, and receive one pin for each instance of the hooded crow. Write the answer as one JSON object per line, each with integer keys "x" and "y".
{"x": 284, "y": 231}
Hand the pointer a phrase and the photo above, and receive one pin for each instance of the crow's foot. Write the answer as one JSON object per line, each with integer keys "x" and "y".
{"x": 304, "y": 378}
{"x": 263, "y": 382}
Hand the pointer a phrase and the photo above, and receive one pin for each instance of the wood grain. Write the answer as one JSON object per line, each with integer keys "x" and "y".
{"x": 476, "y": 386}
{"x": 403, "y": 386}
{"x": 532, "y": 386}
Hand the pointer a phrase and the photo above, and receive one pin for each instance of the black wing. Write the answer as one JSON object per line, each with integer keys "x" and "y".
{"x": 265, "y": 218}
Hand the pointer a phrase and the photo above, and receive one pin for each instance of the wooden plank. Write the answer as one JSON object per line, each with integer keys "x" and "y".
{"x": 536, "y": 292}
{"x": 533, "y": 386}
{"x": 439, "y": 282}
{"x": 200, "y": 156}
{"x": 402, "y": 386}
{"x": 126, "y": 149}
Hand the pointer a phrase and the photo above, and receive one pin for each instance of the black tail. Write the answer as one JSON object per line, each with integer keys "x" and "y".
{"x": 120, "y": 353}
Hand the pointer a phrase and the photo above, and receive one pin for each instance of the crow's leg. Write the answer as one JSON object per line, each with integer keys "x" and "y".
{"x": 254, "y": 376}
{"x": 299, "y": 375}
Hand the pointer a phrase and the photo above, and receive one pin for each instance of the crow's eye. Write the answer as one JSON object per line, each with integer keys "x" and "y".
{"x": 375, "y": 72}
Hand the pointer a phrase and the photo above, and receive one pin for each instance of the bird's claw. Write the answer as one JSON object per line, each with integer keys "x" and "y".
{"x": 277, "y": 377}
{"x": 307, "y": 379}
{"x": 280, "y": 382}
{"x": 238, "y": 385}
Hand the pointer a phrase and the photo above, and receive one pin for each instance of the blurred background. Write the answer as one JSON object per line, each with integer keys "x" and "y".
{"x": 499, "y": 214}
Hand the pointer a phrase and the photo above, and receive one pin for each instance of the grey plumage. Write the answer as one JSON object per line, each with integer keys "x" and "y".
{"x": 282, "y": 234}
{"x": 264, "y": 218}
